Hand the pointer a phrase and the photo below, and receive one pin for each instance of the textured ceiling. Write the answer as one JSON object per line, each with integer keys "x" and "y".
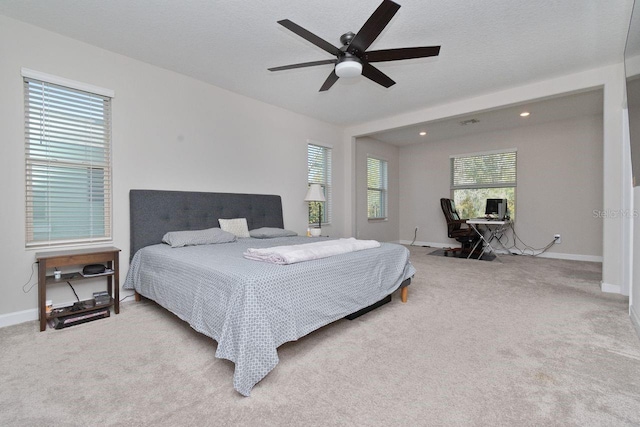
{"x": 487, "y": 45}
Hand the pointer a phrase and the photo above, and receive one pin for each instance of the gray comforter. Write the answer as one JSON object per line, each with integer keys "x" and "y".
{"x": 250, "y": 307}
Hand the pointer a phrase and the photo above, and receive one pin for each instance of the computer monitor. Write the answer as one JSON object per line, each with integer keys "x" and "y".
{"x": 496, "y": 208}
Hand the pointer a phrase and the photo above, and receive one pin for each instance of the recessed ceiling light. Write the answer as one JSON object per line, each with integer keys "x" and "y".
{"x": 524, "y": 114}
{"x": 423, "y": 133}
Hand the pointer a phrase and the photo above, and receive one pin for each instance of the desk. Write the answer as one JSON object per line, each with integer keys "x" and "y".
{"x": 496, "y": 228}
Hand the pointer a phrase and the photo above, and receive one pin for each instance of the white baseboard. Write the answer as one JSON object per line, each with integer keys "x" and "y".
{"x": 635, "y": 319}
{"x": 18, "y": 317}
{"x": 574, "y": 257}
{"x": 429, "y": 244}
{"x": 612, "y": 289}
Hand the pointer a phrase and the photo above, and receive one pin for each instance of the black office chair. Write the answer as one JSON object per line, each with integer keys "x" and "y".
{"x": 458, "y": 229}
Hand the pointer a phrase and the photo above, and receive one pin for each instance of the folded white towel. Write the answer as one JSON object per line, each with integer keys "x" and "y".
{"x": 308, "y": 251}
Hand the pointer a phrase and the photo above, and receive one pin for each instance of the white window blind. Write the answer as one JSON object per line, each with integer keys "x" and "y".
{"x": 319, "y": 172}
{"x": 484, "y": 170}
{"x": 68, "y": 164}
{"x": 481, "y": 176}
{"x": 376, "y": 188}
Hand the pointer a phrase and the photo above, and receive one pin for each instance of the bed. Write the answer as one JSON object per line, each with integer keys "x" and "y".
{"x": 249, "y": 307}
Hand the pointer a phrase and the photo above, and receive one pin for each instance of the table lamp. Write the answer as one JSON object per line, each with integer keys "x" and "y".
{"x": 315, "y": 194}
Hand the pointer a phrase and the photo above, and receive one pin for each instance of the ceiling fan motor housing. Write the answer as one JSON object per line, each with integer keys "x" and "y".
{"x": 346, "y": 38}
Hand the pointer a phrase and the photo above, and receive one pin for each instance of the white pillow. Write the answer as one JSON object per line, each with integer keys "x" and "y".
{"x": 237, "y": 226}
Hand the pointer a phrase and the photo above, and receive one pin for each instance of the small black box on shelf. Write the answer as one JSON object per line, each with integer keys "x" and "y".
{"x": 102, "y": 297}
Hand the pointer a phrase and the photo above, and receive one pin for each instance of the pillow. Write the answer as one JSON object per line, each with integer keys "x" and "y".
{"x": 269, "y": 232}
{"x": 237, "y": 226}
{"x": 177, "y": 239}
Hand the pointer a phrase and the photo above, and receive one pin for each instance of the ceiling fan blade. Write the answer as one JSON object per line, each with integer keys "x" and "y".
{"x": 303, "y": 64}
{"x": 372, "y": 73}
{"x": 309, "y": 36}
{"x": 402, "y": 53}
{"x": 373, "y": 27}
{"x": 333, "y": 77}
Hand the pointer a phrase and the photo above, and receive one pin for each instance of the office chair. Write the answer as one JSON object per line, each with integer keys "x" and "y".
{"x": 457, "y": 228}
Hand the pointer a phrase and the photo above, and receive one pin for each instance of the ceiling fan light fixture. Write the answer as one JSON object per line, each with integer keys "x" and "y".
{"x": 348, "y": 68}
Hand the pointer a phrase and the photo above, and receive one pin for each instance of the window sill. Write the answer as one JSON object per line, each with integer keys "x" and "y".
{"x": 377, "y": 219}
{"x": 67, "y": 245}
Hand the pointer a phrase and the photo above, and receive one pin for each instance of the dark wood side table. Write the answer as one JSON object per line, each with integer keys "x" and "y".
{"x": 77, "y": 257}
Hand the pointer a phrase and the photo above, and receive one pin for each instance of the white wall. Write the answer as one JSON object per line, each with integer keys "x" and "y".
{"x": 617, "y": 174}
{"x": 169, "y": 132}
{"x": 634, "y": 297}
{"x": 559, "y": 167}
{"x": 381, "y": 230}
{"x": 632, "y": 66}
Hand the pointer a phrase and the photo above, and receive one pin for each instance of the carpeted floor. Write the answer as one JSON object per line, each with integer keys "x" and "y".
{"x": 525, "y": 341}
{"x": 478, "y": 255}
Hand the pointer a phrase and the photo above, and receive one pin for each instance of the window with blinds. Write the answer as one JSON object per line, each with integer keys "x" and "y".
{"x": 376, "y": 188}
{"x": 478, "y": 177}
{"x": 68, "y": 164}
{"x": 319, "y": 172}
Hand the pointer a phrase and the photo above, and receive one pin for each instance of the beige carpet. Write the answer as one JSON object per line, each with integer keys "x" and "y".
{"x": 525, "y": 341}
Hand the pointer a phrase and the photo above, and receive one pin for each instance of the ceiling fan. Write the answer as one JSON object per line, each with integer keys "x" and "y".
{"x": 352, "y": 58}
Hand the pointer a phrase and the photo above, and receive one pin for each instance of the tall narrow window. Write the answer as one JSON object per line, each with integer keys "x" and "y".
{"x": 478, "y": 177}
{"x": 319, "y": 172}
{"x": 68, "y": 164}
{"x": 376, "y": 188}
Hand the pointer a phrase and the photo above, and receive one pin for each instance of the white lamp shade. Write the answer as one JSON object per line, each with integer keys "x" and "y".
{"x": 346, "y": 69}
{"x": 315, "y": 194}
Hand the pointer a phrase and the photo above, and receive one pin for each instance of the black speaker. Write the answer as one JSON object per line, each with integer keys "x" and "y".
{"x": 93, "y": 269}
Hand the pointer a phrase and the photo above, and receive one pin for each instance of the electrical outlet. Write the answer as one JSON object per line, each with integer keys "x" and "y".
{"x": 557, "y": 238}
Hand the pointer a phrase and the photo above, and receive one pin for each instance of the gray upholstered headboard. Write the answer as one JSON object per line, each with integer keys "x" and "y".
{"x": 155, "y": 212}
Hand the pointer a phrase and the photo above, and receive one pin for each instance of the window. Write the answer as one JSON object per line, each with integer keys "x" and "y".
{"x": 319, "y": 172}
{"x": 68, "y": 163}
{"x": 376, "y": 188}
{"x": 478, "y": 177}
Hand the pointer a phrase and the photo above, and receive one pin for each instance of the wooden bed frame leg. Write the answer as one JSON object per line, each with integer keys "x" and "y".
{"x": 137, "y": 297}
{"x": 404, "y": 292}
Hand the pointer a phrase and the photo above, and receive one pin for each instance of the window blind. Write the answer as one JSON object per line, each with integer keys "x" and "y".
{"x": 376, "y": 188}
{"x": 484, "y": 170}
{"x": 68, "y": 164}
{"x": 319, "y": 172}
